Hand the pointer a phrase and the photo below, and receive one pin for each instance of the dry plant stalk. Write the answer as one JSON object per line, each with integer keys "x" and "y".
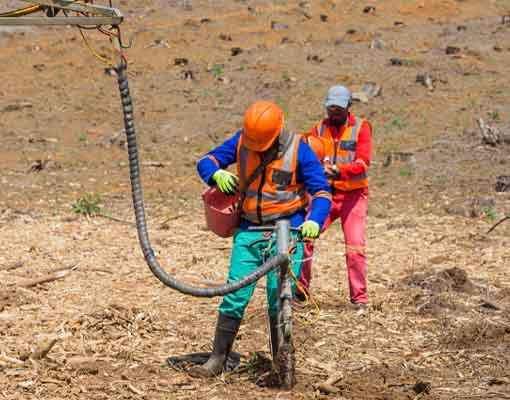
{"x": 10, "y": 360}
{"x": 41, "y": 351}
{"x": 11, "y": 266}
{"x": 327, "y": 386}
{"x": 50, "y": 277}
{"x": 497, "y": 223}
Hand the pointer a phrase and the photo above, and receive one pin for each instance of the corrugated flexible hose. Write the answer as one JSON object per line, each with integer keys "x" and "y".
{"x": 141, "y": 225}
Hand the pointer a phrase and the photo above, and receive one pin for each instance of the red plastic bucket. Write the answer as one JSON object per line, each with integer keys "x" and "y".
{"x": 222, "y": 213}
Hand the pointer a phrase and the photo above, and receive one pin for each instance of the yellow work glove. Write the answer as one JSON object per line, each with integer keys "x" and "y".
{"x": 227, "y": 182}
{"x": 310, "y": 229}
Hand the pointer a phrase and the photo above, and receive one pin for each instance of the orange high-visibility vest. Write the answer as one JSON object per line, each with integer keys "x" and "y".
{"x": 342, "y": 152}
{"x": 275, "y": 193}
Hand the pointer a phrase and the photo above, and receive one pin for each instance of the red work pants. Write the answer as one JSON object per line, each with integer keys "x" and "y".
{"x": 351, "y": 208}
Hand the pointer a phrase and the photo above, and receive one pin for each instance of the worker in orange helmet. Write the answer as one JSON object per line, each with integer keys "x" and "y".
{"x": 346, "y": 156}
{"x": 276, "y": 174}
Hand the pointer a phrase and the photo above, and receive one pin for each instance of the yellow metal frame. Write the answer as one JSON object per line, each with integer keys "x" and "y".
{"x": 97, "y": 15}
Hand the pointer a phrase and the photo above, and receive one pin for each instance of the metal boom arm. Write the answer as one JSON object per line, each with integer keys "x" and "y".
{"x": 99, "y": 15}
{"x": 111, "y": 16}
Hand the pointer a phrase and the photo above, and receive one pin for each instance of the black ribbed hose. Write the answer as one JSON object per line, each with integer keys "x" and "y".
{"x": 141, "y": 225}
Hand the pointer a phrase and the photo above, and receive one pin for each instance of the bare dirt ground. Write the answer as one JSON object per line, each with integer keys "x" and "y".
{"x": 438, "y": 325}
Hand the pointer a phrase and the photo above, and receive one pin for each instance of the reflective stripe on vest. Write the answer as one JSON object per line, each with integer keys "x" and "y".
{"x": 279, "y": 196}
{"x": 348, "y": 145}
{"x": 275, "y": 193}
{"x": 347, "y": 150}
{"x": 359, "y": 177}
{"x": 287, "y": 157}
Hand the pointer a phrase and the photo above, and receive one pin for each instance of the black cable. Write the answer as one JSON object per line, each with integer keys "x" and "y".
{"x": 141, "y": 225}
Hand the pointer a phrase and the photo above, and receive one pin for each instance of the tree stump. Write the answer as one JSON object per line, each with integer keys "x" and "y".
{"x": 503, "y": 183}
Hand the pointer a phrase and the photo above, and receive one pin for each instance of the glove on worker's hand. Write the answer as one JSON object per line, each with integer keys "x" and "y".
{"x": 227, "y": 182}
{"x": 310, "y": 229}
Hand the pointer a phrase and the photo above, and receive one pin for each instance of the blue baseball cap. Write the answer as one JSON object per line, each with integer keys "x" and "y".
{"x": 338, "y": 96}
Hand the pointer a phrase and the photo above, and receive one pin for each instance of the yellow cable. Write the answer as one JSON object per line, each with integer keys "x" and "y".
{"x": 308, "y": 298}
{"x": 35, "y": 8}
{"x": 22, "y": 11}
{"x": 94, "y": 52}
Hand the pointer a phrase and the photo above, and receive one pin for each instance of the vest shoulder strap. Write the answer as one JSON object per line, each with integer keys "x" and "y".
{"x": 284, "y": 141}
{"x": 357, "y": 127}
{"x": 320, "y": 130}
{"x": 270, "y": 157}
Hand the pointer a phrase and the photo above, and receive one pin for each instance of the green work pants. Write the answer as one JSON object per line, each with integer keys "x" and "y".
{"x": 246, "y": 259}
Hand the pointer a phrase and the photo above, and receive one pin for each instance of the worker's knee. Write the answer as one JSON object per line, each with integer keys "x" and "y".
{"x": 234, "y": 308}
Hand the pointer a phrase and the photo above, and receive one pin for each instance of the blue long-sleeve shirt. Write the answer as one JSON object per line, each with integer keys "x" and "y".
{"x": 309, "y": 171}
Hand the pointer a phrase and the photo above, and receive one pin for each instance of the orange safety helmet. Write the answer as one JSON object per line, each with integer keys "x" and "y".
{"x": 317, "y": 146}
{"x": 263, "y": 122}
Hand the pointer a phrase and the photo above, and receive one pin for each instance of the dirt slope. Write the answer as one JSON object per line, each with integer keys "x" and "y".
{"x": 439, "y": 324}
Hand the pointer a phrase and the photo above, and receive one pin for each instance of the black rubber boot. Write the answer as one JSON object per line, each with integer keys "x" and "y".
{"x": 273, "y": 337}
{"x": 226, "y": 331}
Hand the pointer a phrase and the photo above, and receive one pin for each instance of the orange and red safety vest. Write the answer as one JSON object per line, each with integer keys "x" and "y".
{"x": 275, "y": 193}
{"x": 341, "y": 151}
